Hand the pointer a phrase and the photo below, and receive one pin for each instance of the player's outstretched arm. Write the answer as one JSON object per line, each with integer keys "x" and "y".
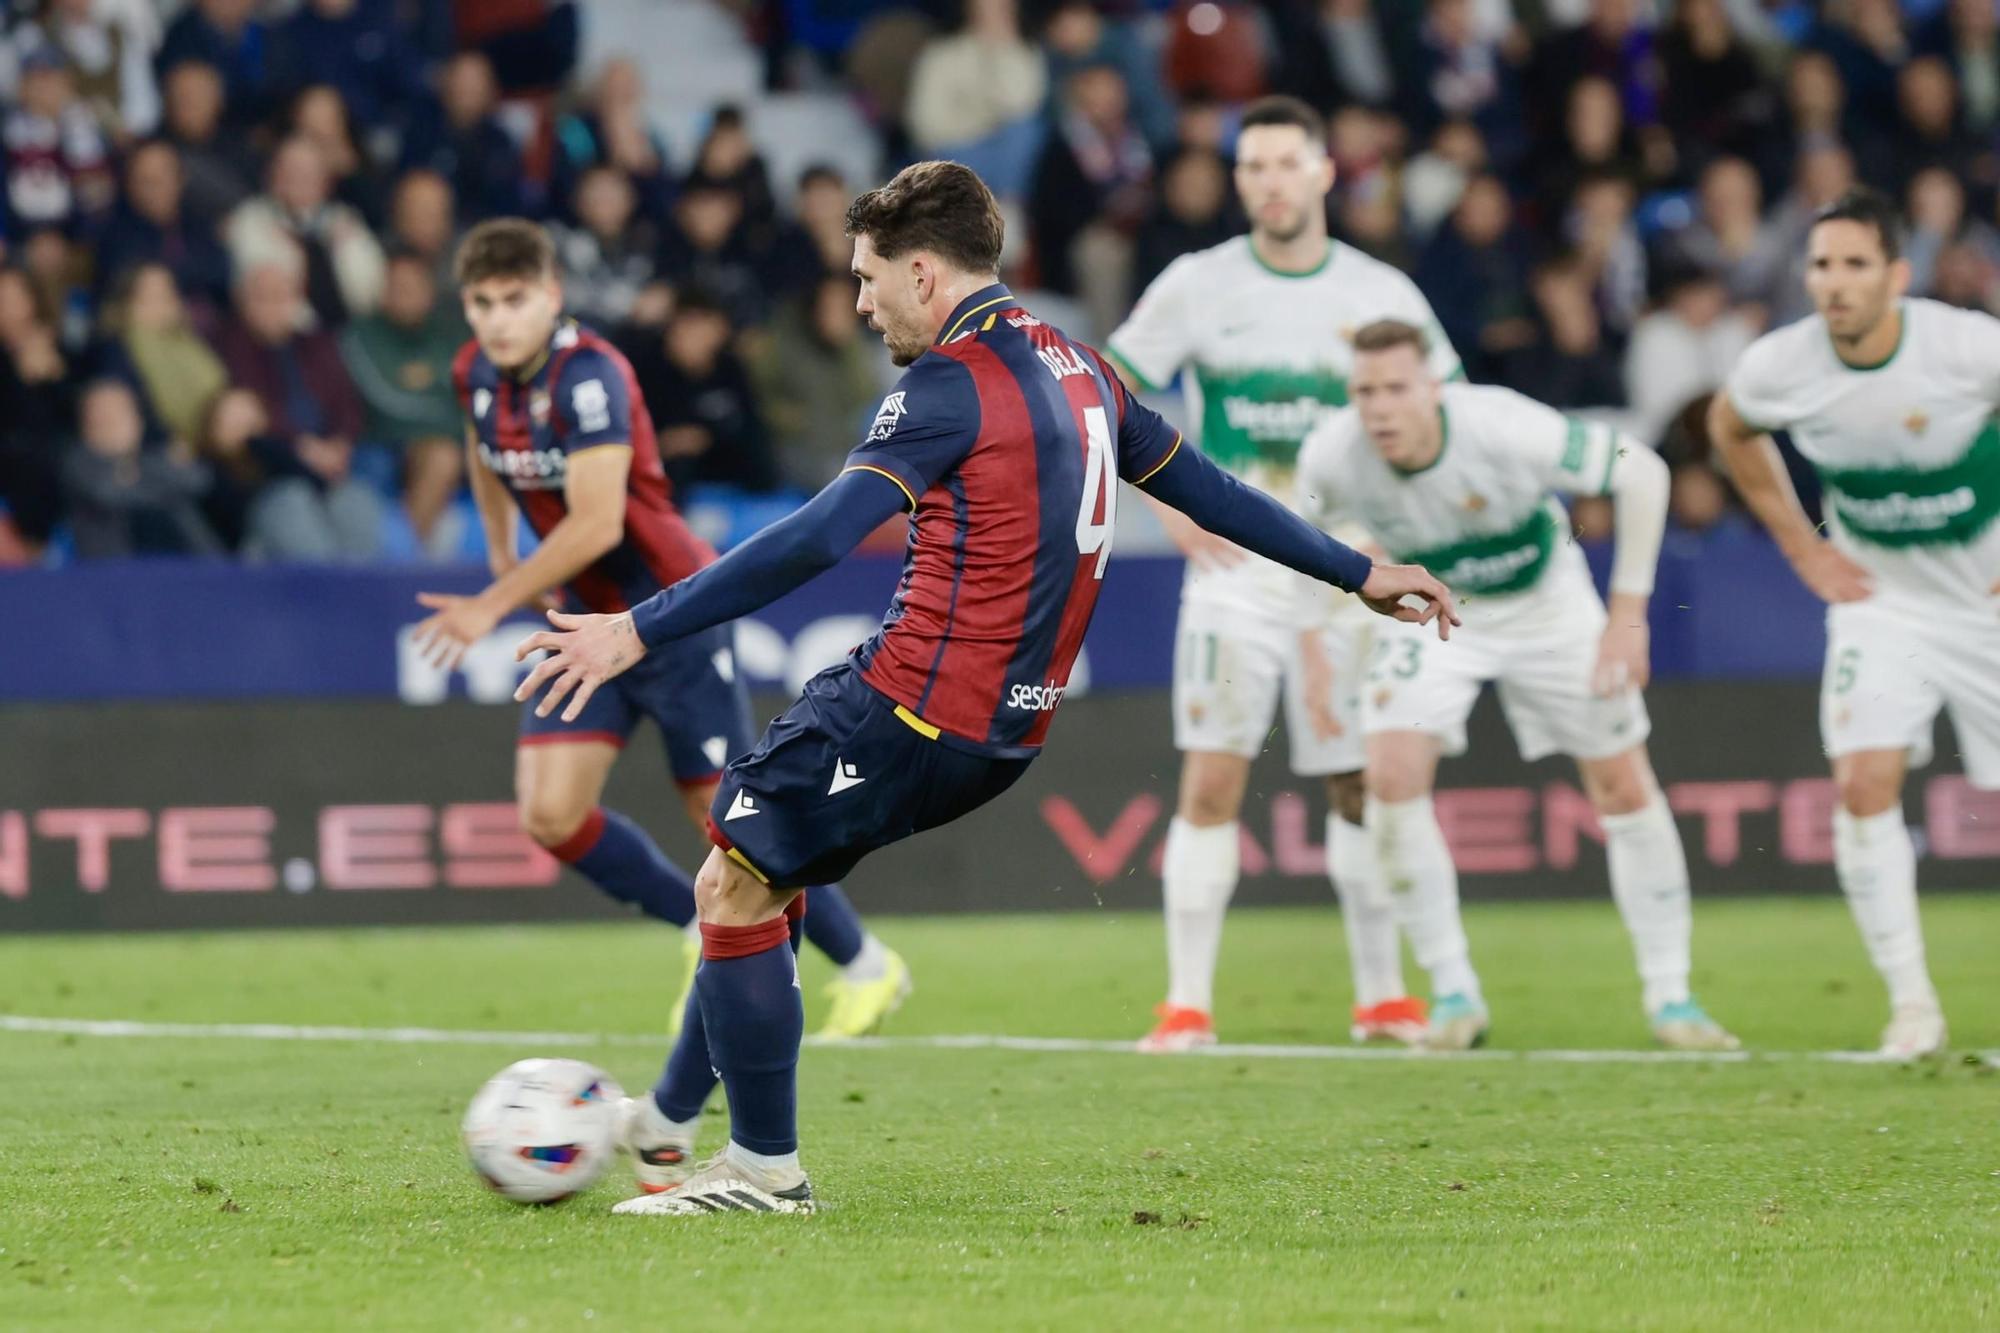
{"x": 1245, "y": 515}
{"x": 1638, "y": 484}
{"x": 589, "y": 650}
{"x": 1753, "y": 463}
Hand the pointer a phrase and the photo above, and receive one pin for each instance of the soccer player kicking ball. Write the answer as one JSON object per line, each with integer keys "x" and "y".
{"x": 557, "y": 428}
{"x": 1459, "y": 478}
{"x": 1006, "y": 442}
{"x": 1892, "y": 401}
{"x": 1257, "y": 327}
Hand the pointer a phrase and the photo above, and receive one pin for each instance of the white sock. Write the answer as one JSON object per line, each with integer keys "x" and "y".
{"x": 1374, "y": 949}
{"x": 654, "y": 1126}
{"x": 1877, "y": 866}
{"x": 784, "y": 1165}
{"x": 1416, "y": 866}
{"x": 1198, "y": 879}
{"x": 871, "y": 964}
{"x": 1649, "y": 881}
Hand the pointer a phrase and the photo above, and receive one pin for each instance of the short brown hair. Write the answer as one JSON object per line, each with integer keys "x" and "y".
{"x": 1384, "y": 334}
{"x": 1282, "y": 110}
{"x": 942, "y": 207}
{"x": 505, "y": 248}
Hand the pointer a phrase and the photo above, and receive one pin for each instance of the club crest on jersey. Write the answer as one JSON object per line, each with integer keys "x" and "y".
{"x": 1917, "y": 422}
{"x": 538, "y": 406}
{"x": 887, "y": 417}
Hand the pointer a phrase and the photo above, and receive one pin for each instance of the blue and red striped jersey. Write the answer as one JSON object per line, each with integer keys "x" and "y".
{"x": 580, "y": 395}
{"x": 1008, "y": 439}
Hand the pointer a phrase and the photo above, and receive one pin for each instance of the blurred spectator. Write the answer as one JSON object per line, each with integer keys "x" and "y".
{"x": 58, "y": 166}
{"x": 461, "y": 138}
{"x": 1221, "y": 51}
{"x": 1077, "y": 34}
{"x": 1824, "y": 174}
{"x": 1092, "y": 188}
{"x": 816, "y": 244}
{"x": 1868, "y": 43}
{"x": 1192, "y": 213}
{"x": 400, "y": 360}
{"x": 727, "y": 159}
{"x": 154, "y": 344}
{"x": 1371, "y": 220}
{"x": 1966, "y": 277}
{"x": 1814, "y": 115}
{"x": 1729, "y": 238}
{"x": 709, "y": 247}
{"x": 313, "y": 508}
{"x": 611, "y": 129}
{"x": 125, "y": 499}
{"x": 1471, "y": 274}
{"x": 1964, "y": 35}
{"x": 36, "y": 405}
{"x": 817, "y": 377}
{"x": 1682, "y": 350}
{"x": 58, "y": 267}
{"x": 1434, "y": 180}
{"x": 356, "y": 48}
{"x": 1700, "y": 499}
{"x": 343, "y": 258}
{"x": 319, "y": 114}
{"x": 1459, "y": 72}
{"x": 227, "y": 35}
{"x": 1939, "y": 221}
{"x": 974, "y": 96}
{"x": 1600, "y": 229}
{"x": 1613, "y": 43}
{"x": 608, "y": 257}
{"x": 1568, "y": 365}
{"x": 219, "y": 167}
{"x": 233, "y": 436}
{"x": 1595, "y": 143}
{"x": 153, "y": 224}
{"x": 109, "y": 53}
{"x": 702, "y": 401}
{"x": 531, "y": 44}
{"x": 422, "y": 219}
{"x": 1716, "y": 99}
{"x": 1931, "y": 134}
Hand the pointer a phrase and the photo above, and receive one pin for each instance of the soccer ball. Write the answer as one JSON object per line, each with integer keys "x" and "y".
{"x": 542, "y": 1130}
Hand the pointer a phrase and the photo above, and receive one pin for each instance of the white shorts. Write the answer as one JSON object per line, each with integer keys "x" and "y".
{"x": 1890, "y": 667}
{"x": 1543, "y": 661}
{"x": 1229, "y": 668}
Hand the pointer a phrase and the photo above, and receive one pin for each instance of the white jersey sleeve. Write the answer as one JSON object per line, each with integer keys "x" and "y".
{"x": 1759, "y": 388}
{"x": 1568, "y": 454}
{"x": 1158, "y": 337}
{"x": 1975, "y": 346}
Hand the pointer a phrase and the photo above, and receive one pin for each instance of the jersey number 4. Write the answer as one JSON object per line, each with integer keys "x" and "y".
{"x": 1100, "y": 488}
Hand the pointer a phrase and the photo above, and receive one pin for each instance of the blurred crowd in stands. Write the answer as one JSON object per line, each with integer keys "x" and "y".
{"x": 227, "y": 322}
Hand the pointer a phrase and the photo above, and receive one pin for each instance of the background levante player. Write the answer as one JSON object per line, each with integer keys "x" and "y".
{"x": 556, "y": 426}
{"x": 1892, "y": 401}
{"x": 1461, "y": 478}
{"x": 1258, "y": 330}
{"x": 1007, "y": 441}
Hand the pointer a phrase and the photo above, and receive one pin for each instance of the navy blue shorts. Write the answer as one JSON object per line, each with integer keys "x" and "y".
{"x": 692, "y": 691}
{"x": 839, "y": 774}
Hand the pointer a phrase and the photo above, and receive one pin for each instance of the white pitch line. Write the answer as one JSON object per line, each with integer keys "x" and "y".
{"x": 414, "y": 1036}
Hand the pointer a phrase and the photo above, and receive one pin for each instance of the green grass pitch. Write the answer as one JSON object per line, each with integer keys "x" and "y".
{"x": 164, "y": 1182}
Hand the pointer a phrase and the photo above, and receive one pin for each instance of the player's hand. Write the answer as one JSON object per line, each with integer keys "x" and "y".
{"x": 1624, "y": 659}
{"x": 1316, "y": 682}
{"x": 590, "y": 651}
{"x": 1389, "y": 585}
{"x": 1831, "y": 575}
{"x": 1203, "y": 549}
{"x": 456, "y": 623}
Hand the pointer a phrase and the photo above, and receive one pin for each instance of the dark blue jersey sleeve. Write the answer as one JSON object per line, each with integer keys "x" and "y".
{"x": 1253, "y": 520}
{"x": 923, "y": 428}
{"x": 792, "y": 551}
{"x": 1145, "y": 439}
{"x": 590, "y": 401}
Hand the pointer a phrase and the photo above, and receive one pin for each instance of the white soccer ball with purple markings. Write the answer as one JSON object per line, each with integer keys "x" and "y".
{"x": 542, "y": 1130}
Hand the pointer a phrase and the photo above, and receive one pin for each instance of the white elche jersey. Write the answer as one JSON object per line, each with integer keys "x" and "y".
{"x": 1907, "y": 452}
{"x": 1483, "y": 516}
{"x": 1267, "y": 356}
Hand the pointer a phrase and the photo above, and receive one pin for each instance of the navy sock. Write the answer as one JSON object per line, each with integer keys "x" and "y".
{"x": 616, "y": 855}
{"x": 832, "y": 924}
{"x": 690, "y": 1074}
{"x": 755, "y": 1017}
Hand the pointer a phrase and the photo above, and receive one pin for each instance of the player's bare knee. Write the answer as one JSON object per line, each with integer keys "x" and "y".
{"x": 1621, "y": 785}
{"x": 1347, "y": 796}
{"x": 1212, "y": 789}
{"x": 1865, "y": 792}
{"x": 550, "y": 823}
